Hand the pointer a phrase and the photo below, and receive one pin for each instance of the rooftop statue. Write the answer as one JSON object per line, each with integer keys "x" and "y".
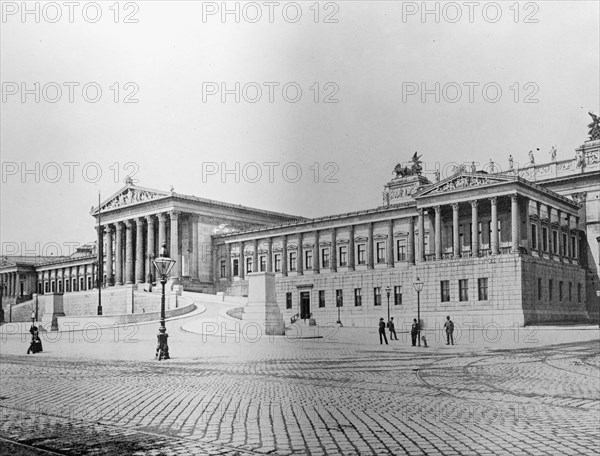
{"x": 415, "y": 169}
{"x": 594, "y": 127}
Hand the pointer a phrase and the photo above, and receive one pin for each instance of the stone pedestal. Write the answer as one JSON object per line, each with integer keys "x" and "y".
{"x": 401, "y": 189}
{"x": 262, "y": 305}
{"x": 52, "y": 310}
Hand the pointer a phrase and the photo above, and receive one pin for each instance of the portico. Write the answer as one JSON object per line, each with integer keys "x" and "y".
{"x": 135, "y": 221}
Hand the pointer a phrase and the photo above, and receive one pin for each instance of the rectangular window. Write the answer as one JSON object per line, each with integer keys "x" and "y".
{"x": 482, "y": 287}
{"x": 401, "y": 250}
{"x": 325, "y": 257}
{"x": 222, "y": 267}
{"x": 361, "y": 254}
{"x": 573, "y": 245}
{"x": 288, "y": 300}
{"x": 550, "y": 284}
{"x": 397, "y": 295}
{"x": 560, "y": 290}
{"x": 248, "y": 265}
{"x": 578, "y": 292}
{"x": 339, "y": 298}
{"x": 308, "y": 259}
{"x": 263, "y": 263}
{"x": 534, "y": 241}
{"x": 544, "y": 239}
{"x": 377, "y": 294}
{"x": 539, "y": 289}
{"x": 277, "y": 262}
{"x": 68, "y": 285}
{"x": 381, "y": 252}
{"x": 570, "y": 291}
{"x": 357, "y": 297}
{"x": 343, "y": 256}
{"x": 463, "y": 287}
{"x": 445, "y": 290}
{"x": 292, "y": 261}
{"x": 554, "y": 241}
{"x": 89, "y": 283}
{"x": 321, "y": 298}
{"x": 236, "y": 267}
{"x": 81, "y": 284}
{"x": 564, "y": 244}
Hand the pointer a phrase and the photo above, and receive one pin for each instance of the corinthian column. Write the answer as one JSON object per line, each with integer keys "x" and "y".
{"x": 139, "y": 247}
{"x": 150, "y": 245}
{"x": 118, "y": 254}
{"x": 129, "y": 252}
{"x": 494, "y": 241}
{"x": 438, "y": 233}
{"x": 109, "y": 255}
{"x": 174, "y": 251}
{"x": 515, "y": 225}
{"x": 474, "y": 229}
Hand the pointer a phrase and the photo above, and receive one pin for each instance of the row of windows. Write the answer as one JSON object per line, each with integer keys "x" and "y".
{"x": 545, "y": 241}
{"x": 561, "y": 290}
{"x": 54, "y": 286}
{"x": 342, "y": 259}
{"x": 339, "y": 297}
{"x": 463, "y": 289}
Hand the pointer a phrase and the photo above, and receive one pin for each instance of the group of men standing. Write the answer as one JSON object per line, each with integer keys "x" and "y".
{"x": 414, "y": 331}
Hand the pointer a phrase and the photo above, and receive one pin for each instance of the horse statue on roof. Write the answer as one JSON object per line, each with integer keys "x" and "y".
{"x": 414, "y": 170}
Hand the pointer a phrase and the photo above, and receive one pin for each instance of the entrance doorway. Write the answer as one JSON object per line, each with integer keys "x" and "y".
{"x": 304, "y": 304}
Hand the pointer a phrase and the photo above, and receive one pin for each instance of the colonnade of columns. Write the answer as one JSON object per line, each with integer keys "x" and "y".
{"x": 135, "y": 244}
{"x": 475, "y": 250}
{"x": 11, "y": 282}
{"x": 519, "y": 208}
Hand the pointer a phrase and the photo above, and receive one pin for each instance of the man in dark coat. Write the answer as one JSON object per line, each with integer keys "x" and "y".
{"x": 414, "y": 332}
{"x": 382, "y": 335}
{"x": 392, "y": 329}
{"x": 449, "y": 326}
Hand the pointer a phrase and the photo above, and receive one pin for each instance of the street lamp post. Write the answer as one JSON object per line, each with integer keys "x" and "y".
{"x": 32, "y": 326}
{"x": 418, "y": 284}
{"x": 388, "y": 290}
{"x": 163, "y": 265}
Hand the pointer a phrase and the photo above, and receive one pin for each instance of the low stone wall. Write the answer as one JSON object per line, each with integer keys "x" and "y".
{"x": 75, "y": 323}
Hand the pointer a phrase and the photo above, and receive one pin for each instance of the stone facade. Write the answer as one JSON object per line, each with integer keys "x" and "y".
{"x": 488, "y": 247}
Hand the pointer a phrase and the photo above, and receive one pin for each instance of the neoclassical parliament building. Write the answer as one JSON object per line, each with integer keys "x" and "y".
{"x": 516, "y": 247}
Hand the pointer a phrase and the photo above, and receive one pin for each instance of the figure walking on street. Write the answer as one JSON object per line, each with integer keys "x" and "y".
{"x": 382, "y": 335}
{"x": 392, "y": 329}
{"x": 414, "y": 332}
{"x": 449, "y": 326}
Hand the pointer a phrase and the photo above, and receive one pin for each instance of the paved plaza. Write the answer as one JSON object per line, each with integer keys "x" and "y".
{"x": 93, "y": 392}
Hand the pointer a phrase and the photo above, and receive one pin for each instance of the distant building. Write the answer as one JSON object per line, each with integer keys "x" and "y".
{"x": 510, "y": 248}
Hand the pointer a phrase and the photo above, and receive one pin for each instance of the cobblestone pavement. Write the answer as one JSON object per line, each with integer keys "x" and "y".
{"x": 309, "y": 397}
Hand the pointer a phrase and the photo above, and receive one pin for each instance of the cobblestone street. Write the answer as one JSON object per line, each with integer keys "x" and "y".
{"x": 299, "y": 397}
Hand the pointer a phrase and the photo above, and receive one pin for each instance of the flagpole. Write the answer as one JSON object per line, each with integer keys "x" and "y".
{"x": 100, "y": 268}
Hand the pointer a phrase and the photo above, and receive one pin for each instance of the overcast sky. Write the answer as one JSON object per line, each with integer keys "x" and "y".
{"x": 361, "y": 68}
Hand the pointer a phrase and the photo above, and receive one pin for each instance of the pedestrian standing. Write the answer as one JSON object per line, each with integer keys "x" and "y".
{"x": 382, "y": 335}
{"x": 392, "y": 329}
{"x": 449, "y": 326}
{"x": 414, "y": 332}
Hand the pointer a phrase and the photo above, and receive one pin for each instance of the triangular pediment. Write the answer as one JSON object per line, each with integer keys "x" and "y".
{"x": 128, "y": 196}
{"x": 463, "y": 181}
